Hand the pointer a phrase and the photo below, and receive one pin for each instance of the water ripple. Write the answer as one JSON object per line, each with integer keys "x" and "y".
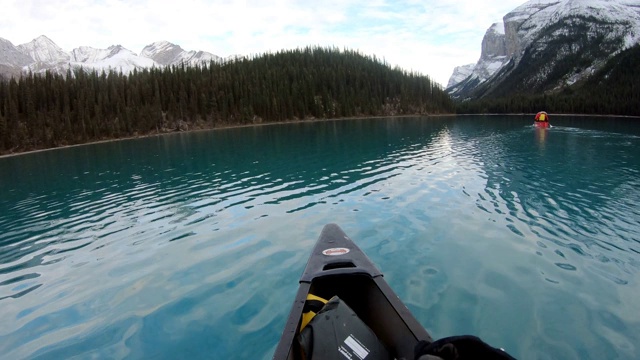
{"x": 197, "y": 239}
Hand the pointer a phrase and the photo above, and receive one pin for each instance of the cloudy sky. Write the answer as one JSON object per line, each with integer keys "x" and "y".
{"x": 427, "y": 36}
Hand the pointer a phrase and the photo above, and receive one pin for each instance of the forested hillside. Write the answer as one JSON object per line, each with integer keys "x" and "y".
{"x": 52, "y": 110}
{"x": 613, "y": 90}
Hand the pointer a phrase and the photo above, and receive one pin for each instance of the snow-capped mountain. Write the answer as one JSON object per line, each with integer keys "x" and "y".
{"x": 460, "y": 73}
{"x": 42, "y": 49}
{"x": 45, "y": 55}
{"x": 112, "y": 58}
{"x": 162, "y": 52}
{"x": 166, "y": 53}
{"x": 494, "y": 52}
{"x": 11, "y": 59}
{"x": 11, "y": 56}
{"x": 42, "y": 54}
{"x": 544, "y": 45}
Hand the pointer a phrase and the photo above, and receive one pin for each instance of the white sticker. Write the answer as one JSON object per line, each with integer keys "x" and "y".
{"x": 335, "y": 251}
{"x": 355, "y": 346}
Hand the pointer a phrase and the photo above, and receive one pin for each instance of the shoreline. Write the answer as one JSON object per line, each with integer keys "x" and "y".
{"x": 236, "y": 126}
{"x": 218, "y": 127}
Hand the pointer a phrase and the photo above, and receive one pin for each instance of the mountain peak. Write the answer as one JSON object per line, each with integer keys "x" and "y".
{"x": 162, "y": 52}
{"x": 166, "y": 53}
{"x": 40, "y": 41}
{"x": 43, "y": 38}
{"x": 497, "y": 28}
{"x": 115, "y": 49}
{"x": 524, "y": 50}
{"x": 460, "y": 73}
{"x": 44, "y": 50}
{"x": 12, "y": 57}
{"x": 162, "y": 44}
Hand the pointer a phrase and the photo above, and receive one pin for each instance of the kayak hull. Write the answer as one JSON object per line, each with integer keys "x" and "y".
{"x": 338, "y": 267}
{"x": 542, "y": 124}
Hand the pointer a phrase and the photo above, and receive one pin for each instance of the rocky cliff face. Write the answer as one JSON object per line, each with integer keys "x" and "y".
{"x": 494, "y": 52}
{"x": 494, "y": 42}
{"x": 545, "y": 45}
{"x": 493, "y": 57}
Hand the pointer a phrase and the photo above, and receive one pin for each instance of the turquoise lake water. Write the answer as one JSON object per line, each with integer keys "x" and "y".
{"x": 190, "y": 245}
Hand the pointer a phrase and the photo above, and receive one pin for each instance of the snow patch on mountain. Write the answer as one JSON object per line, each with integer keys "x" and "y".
{"x": 162, "y": 52}
{"x": 42, "y": 54}
{"x": 11, "y": 56}
{"x": 528, "y": 20}
{"x": 115, "y": 58}
{"x": 166, "y": 53}
{"x": 497, "y": 28}
{"x": 198, "y": 57}
{"x": 537, "y": 23}
{"x": 493, "y": 57}
{"x": 235, "y": 57}
{"x": 460, "y": 73}
{"x": 43, "y": 49}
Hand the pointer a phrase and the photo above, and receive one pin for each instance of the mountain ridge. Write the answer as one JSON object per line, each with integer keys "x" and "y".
{"x": 43, "y": 54}
{"x": 167, "y": 53}
{"x": 544, "y": 46}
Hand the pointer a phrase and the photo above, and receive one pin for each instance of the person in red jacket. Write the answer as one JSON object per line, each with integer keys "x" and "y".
{"x": 542, "y": 116}
{"x": 542, "y": 119}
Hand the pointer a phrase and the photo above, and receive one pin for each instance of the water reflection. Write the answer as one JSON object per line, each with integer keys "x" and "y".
{"x": 541, "y": 136}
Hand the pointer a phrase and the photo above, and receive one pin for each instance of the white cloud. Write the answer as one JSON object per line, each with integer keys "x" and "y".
{"x": 429, "y": 36}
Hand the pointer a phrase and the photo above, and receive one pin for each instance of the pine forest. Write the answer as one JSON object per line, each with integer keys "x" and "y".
{"x": 39, "y": 111}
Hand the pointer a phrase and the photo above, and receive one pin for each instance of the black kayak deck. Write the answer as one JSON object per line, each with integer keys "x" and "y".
{"x": 337, "y": 266}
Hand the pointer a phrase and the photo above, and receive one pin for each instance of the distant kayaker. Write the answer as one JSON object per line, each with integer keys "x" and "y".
{"x": 542, "y": 116}
{"x": 542, "y": 120}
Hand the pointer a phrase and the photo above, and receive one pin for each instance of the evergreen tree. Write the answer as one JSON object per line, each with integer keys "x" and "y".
{"x": 3, "y": 132}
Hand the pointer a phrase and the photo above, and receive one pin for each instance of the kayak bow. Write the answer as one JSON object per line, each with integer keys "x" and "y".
{"x": 337, "y": 267}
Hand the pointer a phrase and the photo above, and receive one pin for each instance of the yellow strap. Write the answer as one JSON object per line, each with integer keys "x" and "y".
{"x": 306, "y": 317}
{"x": 313, "y": 297}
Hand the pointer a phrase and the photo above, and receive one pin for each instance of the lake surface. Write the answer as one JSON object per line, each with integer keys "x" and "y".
{"x": 190, "y": 245}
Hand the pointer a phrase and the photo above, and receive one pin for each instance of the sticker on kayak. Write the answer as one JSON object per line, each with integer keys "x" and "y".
{"x": 335, "y": 251}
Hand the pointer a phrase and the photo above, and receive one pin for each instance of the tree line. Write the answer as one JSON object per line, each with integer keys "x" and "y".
{"x": 43, "y": 111}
